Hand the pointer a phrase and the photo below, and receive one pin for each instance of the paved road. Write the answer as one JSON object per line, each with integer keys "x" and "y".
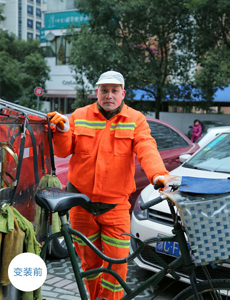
{"x": 60, "y": 283}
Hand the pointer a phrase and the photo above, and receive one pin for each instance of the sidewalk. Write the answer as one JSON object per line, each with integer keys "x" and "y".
{"x": 60, "y": 283}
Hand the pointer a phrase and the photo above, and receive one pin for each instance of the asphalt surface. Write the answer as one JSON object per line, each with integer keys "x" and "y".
{"x": 60, "y": 282}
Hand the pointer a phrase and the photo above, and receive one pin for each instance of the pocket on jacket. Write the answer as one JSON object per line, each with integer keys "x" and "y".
{"x": 84, "y": 140}
{"x": 123, "y": 144}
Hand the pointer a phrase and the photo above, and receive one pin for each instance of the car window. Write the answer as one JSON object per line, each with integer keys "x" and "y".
{"x": 213, "y": 157}
{"x": 210, "y": 124}
{"x": 178, "y": 140}
{"x": 166, "y": 137}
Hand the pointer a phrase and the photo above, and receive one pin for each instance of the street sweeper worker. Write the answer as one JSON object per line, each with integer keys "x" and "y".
{"x": 103, "y": 139}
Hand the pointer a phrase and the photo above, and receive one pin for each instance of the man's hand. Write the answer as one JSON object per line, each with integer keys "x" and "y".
{"x": 163, "y": 182}
{"x": 59, "y": 120}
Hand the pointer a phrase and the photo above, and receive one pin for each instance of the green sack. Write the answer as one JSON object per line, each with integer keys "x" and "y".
{"x": 47, "y": 181}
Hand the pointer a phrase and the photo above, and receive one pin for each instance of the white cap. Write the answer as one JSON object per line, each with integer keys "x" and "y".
{"x": 111, "y": 77}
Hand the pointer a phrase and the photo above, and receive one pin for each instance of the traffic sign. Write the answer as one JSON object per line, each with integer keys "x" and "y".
{"x": 38, "y": 91}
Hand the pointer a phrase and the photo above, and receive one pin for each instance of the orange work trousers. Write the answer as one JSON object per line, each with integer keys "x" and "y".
{"x": 105, "y": 232}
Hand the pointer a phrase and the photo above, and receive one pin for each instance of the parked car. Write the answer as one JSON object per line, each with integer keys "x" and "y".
{"x": 171, "y": 144}
{"x": 211, "y": 134}
{"x": 211, "y": 161}
{"x": 205, "y": 126}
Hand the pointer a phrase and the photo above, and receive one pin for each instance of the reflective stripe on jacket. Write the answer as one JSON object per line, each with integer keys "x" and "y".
{"x": 102, "y": 165}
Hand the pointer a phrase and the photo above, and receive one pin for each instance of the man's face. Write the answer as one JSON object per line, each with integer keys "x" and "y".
{"x": 110, "y": 96}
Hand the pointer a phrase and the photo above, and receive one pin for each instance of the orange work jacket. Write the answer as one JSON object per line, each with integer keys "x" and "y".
{"x": 102, "y": 165}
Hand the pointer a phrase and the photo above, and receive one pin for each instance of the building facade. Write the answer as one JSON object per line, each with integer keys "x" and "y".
{"x": 47, "y": 21}
{"x": 61, "y": 88}
{"x": 24, "y": 18}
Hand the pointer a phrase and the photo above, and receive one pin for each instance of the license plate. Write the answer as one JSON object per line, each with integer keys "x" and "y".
{"x": 170, "y": 248}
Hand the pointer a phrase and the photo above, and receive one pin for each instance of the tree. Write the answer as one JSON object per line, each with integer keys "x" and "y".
{"x": 22, "y": 69}
{"x": 2, "y": 18}
{"x": 34, "y": 73}
{"x": 148, "y": 41}
{"x": 10, "y": 72}
{"x": 83, "y": 93}
{"x": 211, "y": 45}
{"x": 20, "y": 49}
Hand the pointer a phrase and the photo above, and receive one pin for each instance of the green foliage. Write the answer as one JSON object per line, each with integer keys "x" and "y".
{"x": 2, "y": 18}
{"x": 33, "y": 67}
{"x": 6, "y": 40}
{"x": 22, "y": 69}
{"x": 211, "y": 44}
{"x": 215, "y": 72}
{"x": 10, "y": 83}
{"x": 83, "y": 92}
{"x": 31, "y": 103}
{"x": 21, "y": 49}
{"x": 147, "y": 41}
{"x": 82, "y": 98}
{"x": 156, "y": 45}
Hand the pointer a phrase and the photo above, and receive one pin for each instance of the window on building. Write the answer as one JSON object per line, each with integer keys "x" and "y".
{"x": 58, "y": 48}
{"x": 30, "y": 0}
{"x": 38, "y": 25}
{"x": 19, "y": 18}
{"x": 47, "y": 51}
{"x": 30, "y": 23}
{"x": 68, "y": 51}
{"x": 38, "y": 1}
{"x": 38, "y": 12}
{"x": 29, "y": 36}
{"x": 61, "y": 51}
{"x": 20, "y": 27}
{"x": 30, "y": 10}
{"x": 37, "y": 36}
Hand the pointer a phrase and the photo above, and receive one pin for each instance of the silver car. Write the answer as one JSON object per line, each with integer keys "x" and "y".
{"x": 211, "y": 161}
